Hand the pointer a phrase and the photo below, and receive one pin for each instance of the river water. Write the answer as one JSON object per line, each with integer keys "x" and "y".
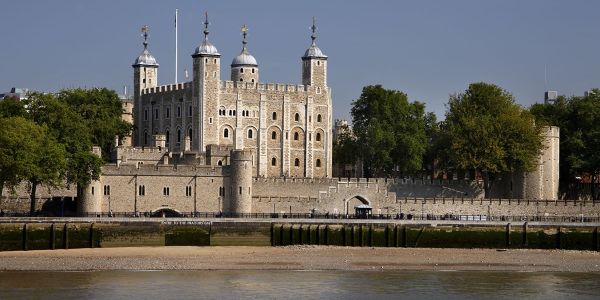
{"x": 252, "y": 284}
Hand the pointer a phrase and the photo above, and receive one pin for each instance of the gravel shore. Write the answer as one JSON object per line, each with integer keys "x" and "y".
{"x": 300, "y": 258}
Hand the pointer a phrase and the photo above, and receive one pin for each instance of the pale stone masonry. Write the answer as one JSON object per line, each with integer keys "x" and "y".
{"x": 287, "y": 127}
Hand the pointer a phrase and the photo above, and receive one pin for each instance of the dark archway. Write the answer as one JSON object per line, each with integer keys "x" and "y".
{"x": 166, "y": 212}
{"x": 352, "y": 202}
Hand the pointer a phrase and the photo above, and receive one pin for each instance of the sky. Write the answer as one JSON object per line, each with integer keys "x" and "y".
{"x": 427, "y": 49}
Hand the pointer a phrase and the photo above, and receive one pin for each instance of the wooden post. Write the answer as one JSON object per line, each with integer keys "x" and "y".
{"x": 404, "y": 236}
{"x": 66, "y": 236}
{"x": 396, "y": 239}
{"x": 52, "y": 237}
{"x": 558, "y": 238}
{"x": 300, "y": 231}
{"x": 360, "y": 235}
{"x": 272, "y": 237}
{"x": 370, "y": 235}
{"x": 291, "y": 234}
{"x": 92, "y": 235}
{"x": 352, "y": 234}
{"x": 525, "y": 240}
{"x": 507, "y": 235}
{"x": 281, "y": 236}
{"x": 327, "y": 235}
{"x": 318, "y": 234}
{"x": 343, "y": 231}
{"x": 596, "y": 240}
{"x": 387, "y": 235}
{"x": 25, "y": 237}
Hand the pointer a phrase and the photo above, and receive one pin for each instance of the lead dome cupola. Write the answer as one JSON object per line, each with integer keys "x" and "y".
{"x": 145, "y": 58}
{"x": 244, "y": 58}
{"x": 313, "y": 51}
{"x": 206, "y": 48}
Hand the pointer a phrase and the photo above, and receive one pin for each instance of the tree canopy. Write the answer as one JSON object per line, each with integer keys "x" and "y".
{"x": 71, "y": 122}
{"x": 390, "y": 132}
{"x": 486, "y": 131}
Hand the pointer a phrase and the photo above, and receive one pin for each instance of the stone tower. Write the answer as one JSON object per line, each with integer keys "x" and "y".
{"x": 207, "y": 73}
{"x": 90, "y": 198}
{"x": 240, "y": 200}
{"x": 145, "y": 75}
{"x": 244, "y": 67}
{"x": 314, "y": 66}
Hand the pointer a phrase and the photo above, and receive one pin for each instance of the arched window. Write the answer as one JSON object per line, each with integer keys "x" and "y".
{"x": 296, "y": 136}
{"x": 220, "y": 163}
{"x": 274, "y": 116}
{"x": 319, "y": 118}
{"x": 318, "y": 137}
{"x": 241, "y": 70}
{"x": 190, "y": 133}
{"x": 179, "y": 111}
{"x": 318, "y": 163}
{"x": 297, "y": 162}
{"x": 249, "y": 133}
{"x": 241, "y": 79}
{"x": 273, "y": 161}
{"x": 274, "y": 135}
{"x": 252, "y": 70}
{"x": 179, "y": 135}
{"x": 167, "y": 136}
{"x": 145, "y": 137}
{"x": 297, "y": 117}
{"x": 226, "y": 133}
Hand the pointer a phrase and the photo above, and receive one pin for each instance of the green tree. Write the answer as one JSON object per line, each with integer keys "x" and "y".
{"x": 28, "y": 152}
{"x": 579, "y": 121}
{"x": 344, "y": 147}
{"x": 487, "y": 132}
{"x": 101, "y": 110}
{"x": 390, "y": 131}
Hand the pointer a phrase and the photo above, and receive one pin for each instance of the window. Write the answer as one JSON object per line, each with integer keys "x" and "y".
{"x": 166, "y": 191}
{"x": 273, "y": 135}
{"x": 167, "y": 113}
{"x": 92, "y": 190}
{"x": 190, "y": 131}
{"x": 274, "y": 116}
{"x": 145, "y": 115}
{"x": 206, "y": 60}
{"x": 107, "y": 190}
{"x": 209, "y": 120}
{"x": 319, "y": 119}
{"x": 240, "y": 190}
{"x": 252, "y": 70}
{"x": 241, "y": 70}
{"x": 249, "y": 133}
{"x": 220, "y": 163}
{"x": 178, "y": 135}
{"x": 296, "y": 136}
{"x": 318, "y": 63}
{"x": 296, "y": 162}
{"x": 273, "y": 161}
{"x": 318, "y": 90}
{"x": 252, "y": 79}
{"x": 318, "y": 137}
{"x": 297, "y": 117}
{"x": 221, "y": 191}
{"x": 167, "y": 136}
{"x": 145, "y": 137}
{"x": 179, "y": 111}
{"x": 318, "y": 163}
{"x": 226, "y": 133}
{"x": 156, "y": 114}
{"x": 241, "y": 79}
{"x": 189, "y": 111}
{"x": 142, "y": 190}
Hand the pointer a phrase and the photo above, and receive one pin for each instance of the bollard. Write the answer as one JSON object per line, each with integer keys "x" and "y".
{"x": 52, "y": 237}
{"x": 507, "y": 236}
{"x": 25, "y": 237}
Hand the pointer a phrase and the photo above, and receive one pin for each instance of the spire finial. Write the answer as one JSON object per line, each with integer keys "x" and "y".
{"x": 145, "y": 30}
{"x": 244, "y": 33}
{"x": 313, "y": 36}
{"x": 206, "y": 25}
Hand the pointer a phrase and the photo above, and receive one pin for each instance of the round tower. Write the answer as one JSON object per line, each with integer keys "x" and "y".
{"x": 244, "y": 67}
{"x": 240, "y": 201}
{"x": 89, "y": 199}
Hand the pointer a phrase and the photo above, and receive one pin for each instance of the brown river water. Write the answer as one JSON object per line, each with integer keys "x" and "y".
{"x": 256, "y": 284}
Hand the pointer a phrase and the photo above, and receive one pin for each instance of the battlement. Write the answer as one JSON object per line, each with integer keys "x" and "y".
{"x": 167, "y": 88}
{"x": 164, "y": 170}
{"x": 293, "y": 88}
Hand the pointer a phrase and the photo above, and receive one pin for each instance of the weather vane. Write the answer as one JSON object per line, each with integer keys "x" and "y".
{"x": 145, "y": 30}
{"x": 244, "y": 33}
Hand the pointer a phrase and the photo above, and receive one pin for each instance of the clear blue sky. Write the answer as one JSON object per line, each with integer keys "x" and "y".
{"x": 428, "y": 49}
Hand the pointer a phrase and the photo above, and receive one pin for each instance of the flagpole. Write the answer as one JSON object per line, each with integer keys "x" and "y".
{"x": 176, "y": 11}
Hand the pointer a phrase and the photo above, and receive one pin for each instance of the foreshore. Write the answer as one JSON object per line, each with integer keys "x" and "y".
{"x": 300, "y": 258}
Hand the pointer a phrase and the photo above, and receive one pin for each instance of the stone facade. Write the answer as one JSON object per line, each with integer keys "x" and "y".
{"x": 287, "y": 127}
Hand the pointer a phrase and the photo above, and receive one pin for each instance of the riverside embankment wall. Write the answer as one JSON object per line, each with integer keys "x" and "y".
{"x": 61, "y": 233}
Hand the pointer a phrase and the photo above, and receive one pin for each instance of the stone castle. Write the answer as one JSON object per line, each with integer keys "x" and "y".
{"x": 242, "y": 146}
